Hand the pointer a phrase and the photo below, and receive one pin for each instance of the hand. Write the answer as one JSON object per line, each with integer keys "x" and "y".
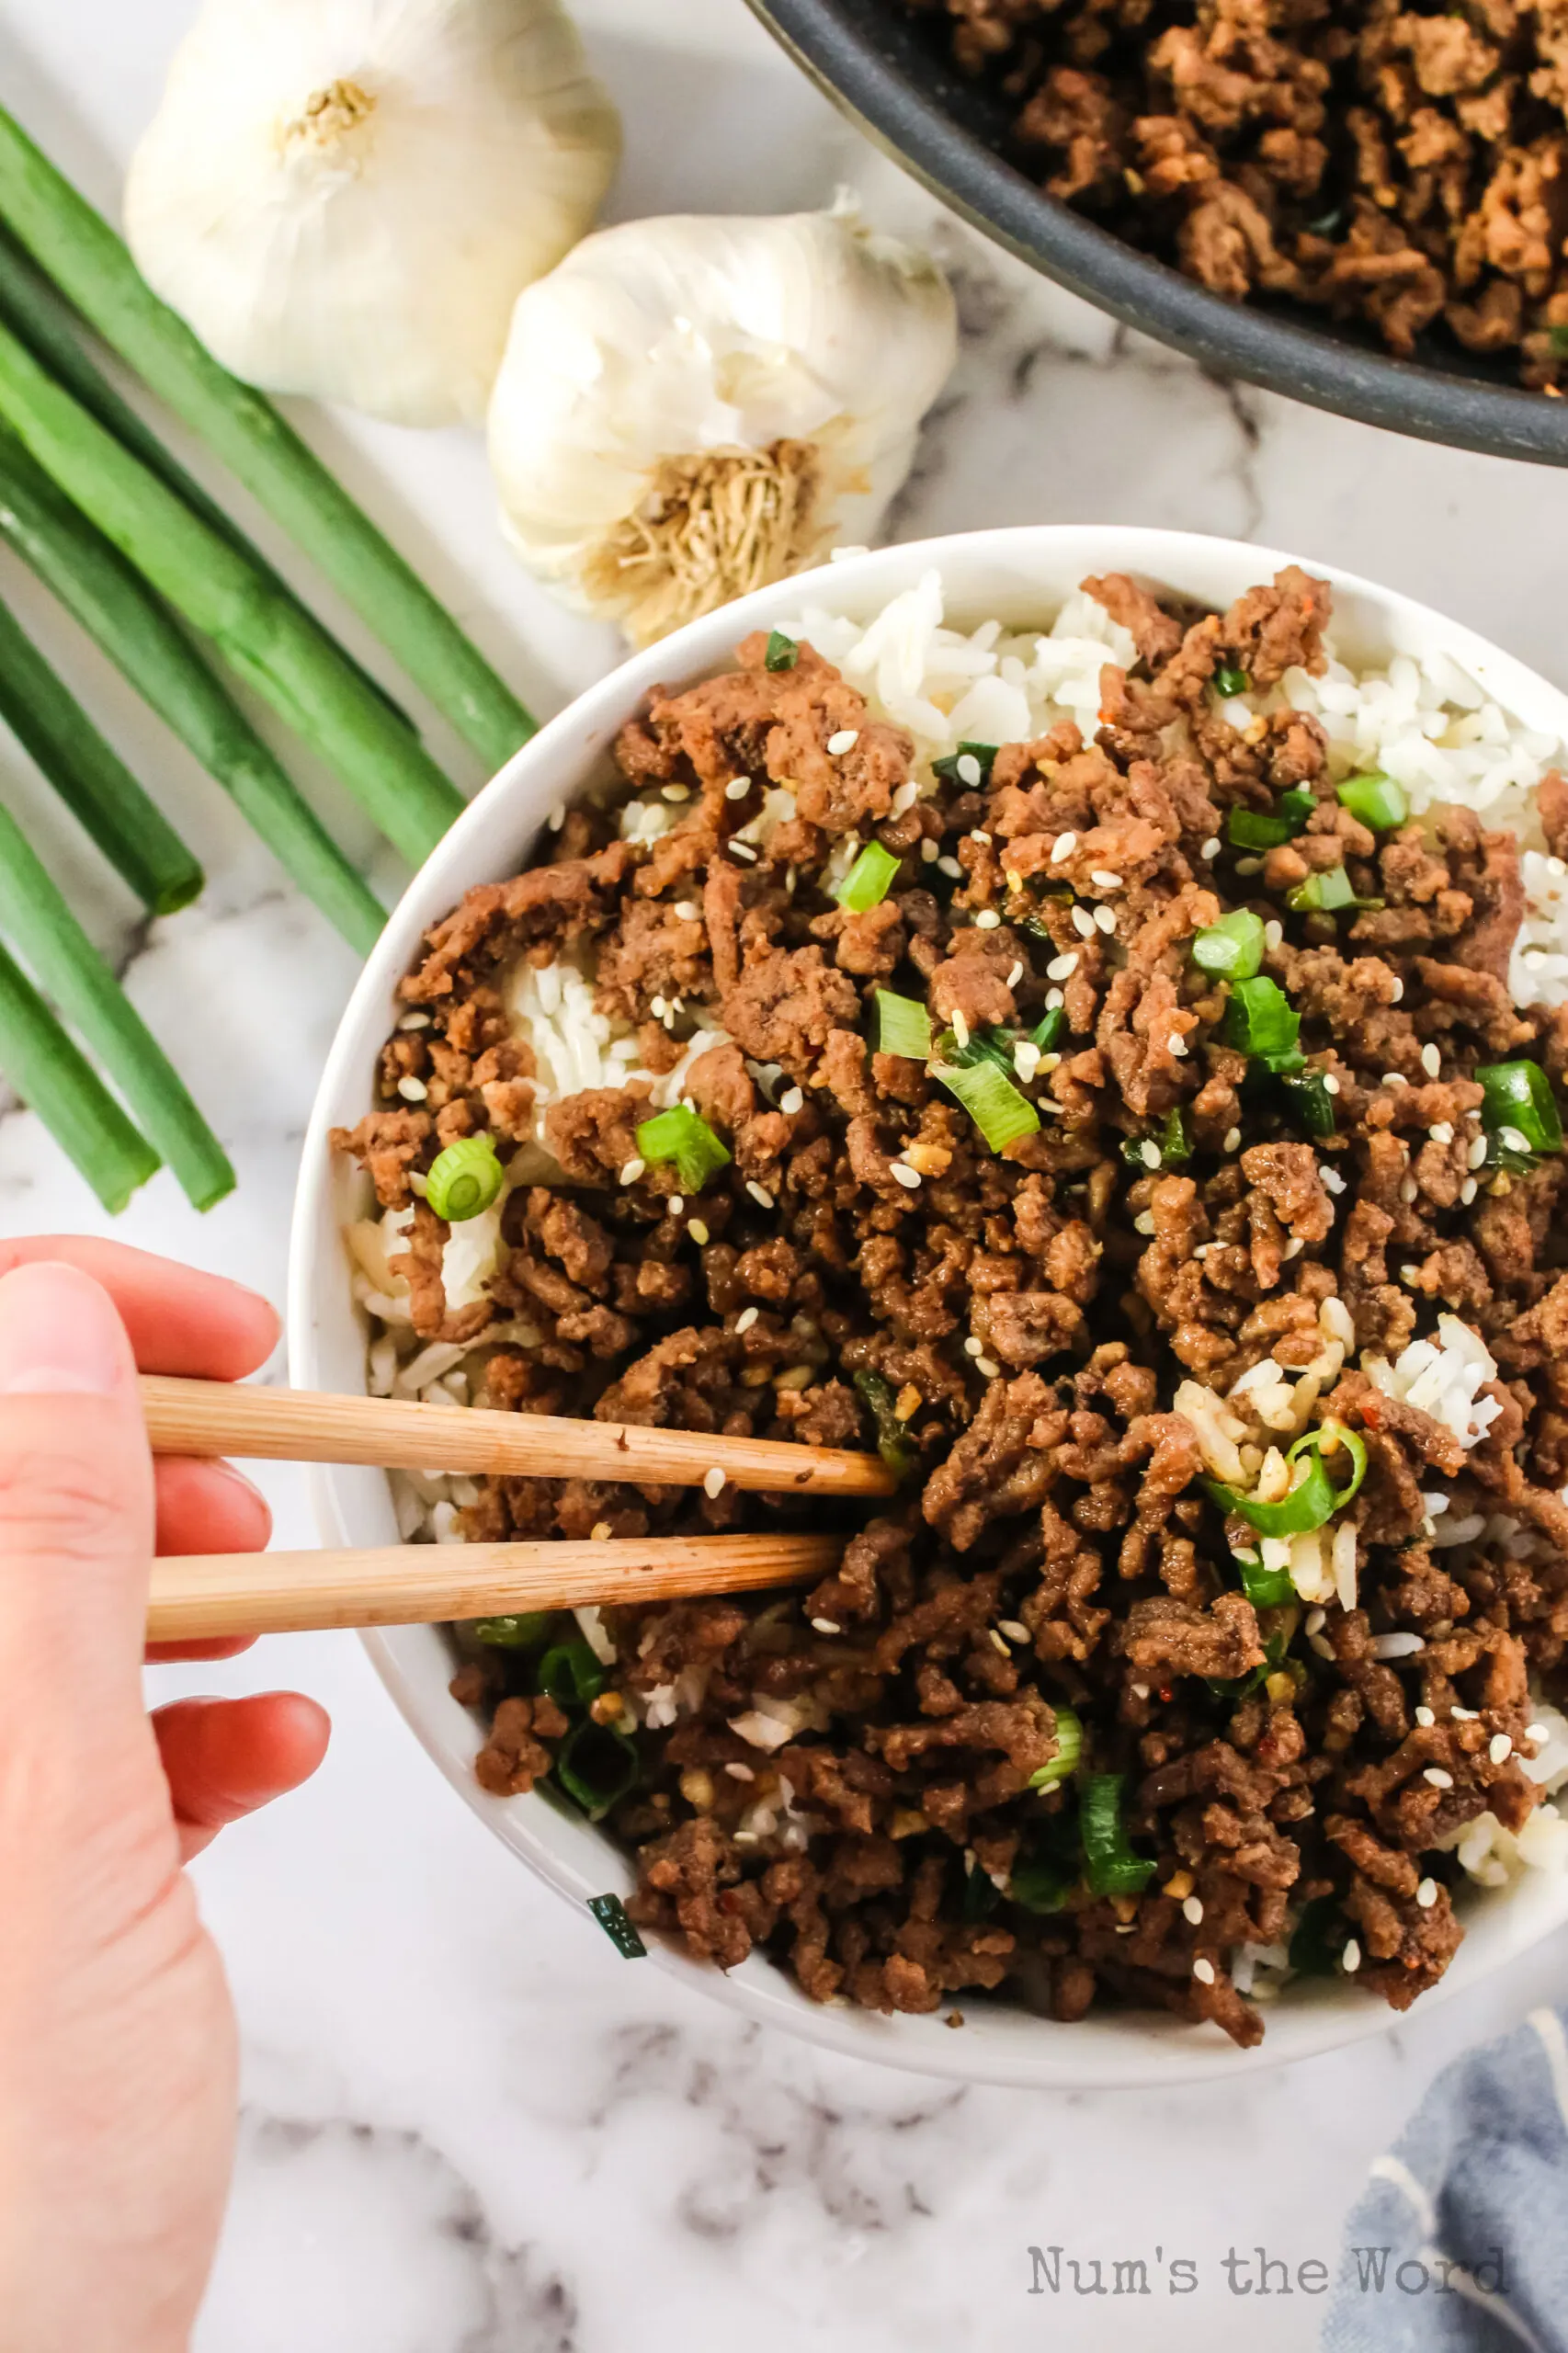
{"x": 116, "y": 2035}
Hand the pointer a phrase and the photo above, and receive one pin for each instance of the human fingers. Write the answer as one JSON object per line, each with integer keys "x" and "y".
{"x": 206, "y": 1508}
{"x": 178, "y": 1320}
{"x": 225, "y": 1757}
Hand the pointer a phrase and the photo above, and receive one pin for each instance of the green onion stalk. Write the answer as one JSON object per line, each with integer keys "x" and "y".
{"x": 37, "y": 922}
{"x": 53, "y": 1077}
{"x": 267, "y": 638}
{"x": 1110, "y": 1866}
{"x": 903, "y": 1026}
{"x": 146, "y": 645}
{"x": 678, "y": 1138}
{"x": 92, "y": 267}
{"x": 868, "y": 880}
{"x": 91, "y": 779}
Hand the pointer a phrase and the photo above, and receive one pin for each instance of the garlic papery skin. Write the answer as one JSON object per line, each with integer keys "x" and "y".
{"x": 344, "y": 197}
{"x": 689, "y": 408}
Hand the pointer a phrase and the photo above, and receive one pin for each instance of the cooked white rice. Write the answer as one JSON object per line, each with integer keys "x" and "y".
{"x": 1427, "y": 724}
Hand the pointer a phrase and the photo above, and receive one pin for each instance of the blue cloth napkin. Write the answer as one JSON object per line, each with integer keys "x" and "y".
{"x": 1460, "y": 2242}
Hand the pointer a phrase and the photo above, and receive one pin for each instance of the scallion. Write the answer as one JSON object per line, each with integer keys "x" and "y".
{"x": 679, "y": 1137}
{"x": 866, "y": 882}
{"x": 1110, "y": 1866}
{"x": 781, "y": 652}
{"x": 903, "y": 1026}
{"x": 993, "y": 1102}
{"x": 597, "y": 1765}
{"x": 1518, "y": 1096}
{"x": 1310, "y": 1094}
{"x": 1230, "y": 680}
{"x": 1038, "y": 1884}
{"x": 1322, "y": 892}
{"x": 1048, "y": 1028}
{"x": 54, "y": 1079}
{"x": 1313, "y": 1499}
{"x": 464, "y": 1179}
{"x": 1260, "y": 1019}
{"x": 618, "y": 1927}
{"x": 989, "y": 1044}
{"x": 570, "y": 1674}
{"x": 520, "y": 1631}
{"x": 1265, "y": 1588}
{"x": 1172, "y": 1145}
{"x": 1068, "y": 1750}
{"x": 1376, "y": 800}
{"x": 951, "y": 767}
{"x": 1233, "y": 947}
{"x": 892, "y": 1439}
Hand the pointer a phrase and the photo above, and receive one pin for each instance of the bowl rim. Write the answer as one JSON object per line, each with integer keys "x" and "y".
{"x": 1282, "y": 354}
{"x": 1011, "y": 2047}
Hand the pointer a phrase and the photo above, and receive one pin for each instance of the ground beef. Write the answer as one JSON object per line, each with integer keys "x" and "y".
{"x": 876, "y": 1782}
{"x": 1403, "y": 169}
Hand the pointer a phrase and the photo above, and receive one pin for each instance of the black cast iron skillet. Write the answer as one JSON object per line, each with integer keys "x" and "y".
{"x": 891, "y": 77}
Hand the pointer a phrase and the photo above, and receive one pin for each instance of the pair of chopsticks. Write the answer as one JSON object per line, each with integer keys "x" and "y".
{"x": 200, "y": 1595}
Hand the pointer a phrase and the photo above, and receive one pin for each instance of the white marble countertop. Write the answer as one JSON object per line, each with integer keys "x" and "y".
{"x": 469, "y": 2128}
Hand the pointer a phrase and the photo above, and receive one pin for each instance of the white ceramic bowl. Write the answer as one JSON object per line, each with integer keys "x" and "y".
{"x": 1022, "y": 575}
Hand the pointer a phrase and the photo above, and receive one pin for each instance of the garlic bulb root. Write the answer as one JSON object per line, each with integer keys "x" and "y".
{"x": 344, "y": 200}
{"x": 689, "y": 409}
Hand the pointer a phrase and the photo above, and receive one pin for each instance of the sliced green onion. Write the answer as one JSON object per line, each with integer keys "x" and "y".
{"x": 1172, "y": 1143}
{"x": 679, "y": 1136}
{"x": 903, "y": 1026}
{"x": 1229, "y": 681}
{"x": 1322, "y": 892}
{"x": 1557, "y": 337}
{"x": 1259, "y": 1018}
{"x": 1233, "y": 947}
{"x": 980, "y": 1894}
{"x": 464, "y": 1179}
{"x": 1265, "y": 1588}
{"x": 1268, "y": 829}
{"x": 597, "y": 1765}
{"x": 782, "y": 652}
{"x": 1519, "y": 1095}
{"x": 1037, "y": 1884}
{"x": 949, "y": 767}
{"x": 1296, "y": 806}
{"x": 1110, "y": 1866}
{"x": 866, "y": 882}
{"x": 617, "y": 1923}
{"x": 1312, "y": 1500}
{"x": 570, "y": 1674}
{"x": 1048, "y": 1028}
{"x": 1069, "y": 1750}
{"x": 1376, "y": 800}
{"x": 993, "y": 1102}
{"x": 1312, "y": 1100}
{"x": 990, "y": 1043}
{"x": 519, "y": 1631}
{"x": 892, "y": 1439}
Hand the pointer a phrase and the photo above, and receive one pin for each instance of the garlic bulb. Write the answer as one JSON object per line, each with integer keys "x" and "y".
{"x": 690, "y": 408}
{"x": 343, "y": 198}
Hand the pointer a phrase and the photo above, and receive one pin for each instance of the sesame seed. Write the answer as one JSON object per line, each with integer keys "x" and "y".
{"x": 1431, "y": 1061}
{"x": 1315, "y": 1620}
{"x": 696, "y": 1230}
{"x": 675, "y": 1204}
{"x": 415, "y": 1021}
{"x": 987, "y": 919}
{"x": 967, "y": 769}
{"x": 973, "y": 1347}
{"x": 978, "y": 836}
{"x": 1178, "y": 1044}
{"x": 960, "y": 1026}
{"x": 1014, "y": 975}
{"x": 1439, "y": 1779}
{"x": 1105, "y": 919}
{"x": 1331, "y": 1178}
{"x": 1106, "y": 881}
{"x": 1211, "y": 849}
{"x": 657, "y": 1008}
{"x": 1054, "y": 998}
{"x": 688, "y": 910}
{"x": 1330, "y": 1083}
{"x": 1192, "y": 1910}
{"x": 903, "y": 1175}
{"x": 746, "y": 1318}
{"x": 1062, "y": 848}
{"x": 713, "y": 1480}
{"x": 1351, "y": 1958}
{"x": 1468, "y": 1192}
{"x": 1203, "y": 1971}
{"x": 744, "y": 851}
{"x": 1062, "y": 968}
{"x": 1500, "y": 1748}
{"x": 1149, "y": 1154}
{"x": 1401, "y": 1644}
{"x": 1026, "y": 1058}
{"x": 1398, "y": 990}
{"x": 844, "y": 741}
{"x": 557, "y": 817}
{"x": 1273, "y": 934}
{"x": 737, "y": 788}
{"x": 827, "y": 1625}
{"x": 676, "y": 791}
{"x": 759, "y": 1194}
{"x": 906, "y": 797}
{"x": 1294, "y": 1247}
{"x": 951, "y": 868}
{"x": 1408, "y": 1189}
{"x": 1513, "y": 1140}
{"x": 413, "y": 1090}
{"x": 1139, "y": 1690}
{"x": 742, "y": 1772}
{"x": 1477, "y": 1153}
{"x": 1084, "y": 922}
{"x": 1144, "y": 1222}
{"x": 632, "y": 1170}
{"x": 1233, "y": 1140}
{"x": 1014, "y": 1629}
{"x": 1441, "y": 1131}
{"x": 1465, "y": 1715}
{"x": 997, "y": 1641}
{"x": 1409, "y": 1274}
{"x": 600, "y": 1532}
{"x": 1249, "y": 866}
{"x": 989, "y": 1367}
{"x": 1425, "y": 1717}
{"x": 792, "y": 1100}
{"x": 1426, "y": 1894}
{"x": 930, "y": 852}
{"x": 1014, "y": 880}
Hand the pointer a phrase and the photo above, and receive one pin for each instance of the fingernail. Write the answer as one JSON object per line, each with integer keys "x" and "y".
{"x": 60, "y": 1335}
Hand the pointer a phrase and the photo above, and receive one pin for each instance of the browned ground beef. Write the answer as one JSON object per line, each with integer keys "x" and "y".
{"x": 1406, "y": 167}
{"x": 1028, "y": 1319}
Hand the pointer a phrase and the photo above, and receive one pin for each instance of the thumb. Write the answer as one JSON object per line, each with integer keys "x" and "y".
{"x": 76, "y": 1511}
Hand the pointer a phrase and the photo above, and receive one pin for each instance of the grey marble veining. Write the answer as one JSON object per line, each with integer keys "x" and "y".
{"x": 468, "y": 2127}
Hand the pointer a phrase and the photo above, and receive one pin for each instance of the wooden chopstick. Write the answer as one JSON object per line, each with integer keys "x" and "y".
{"x": 203, "y": 1596}
{"x": 215, "y": 1418}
